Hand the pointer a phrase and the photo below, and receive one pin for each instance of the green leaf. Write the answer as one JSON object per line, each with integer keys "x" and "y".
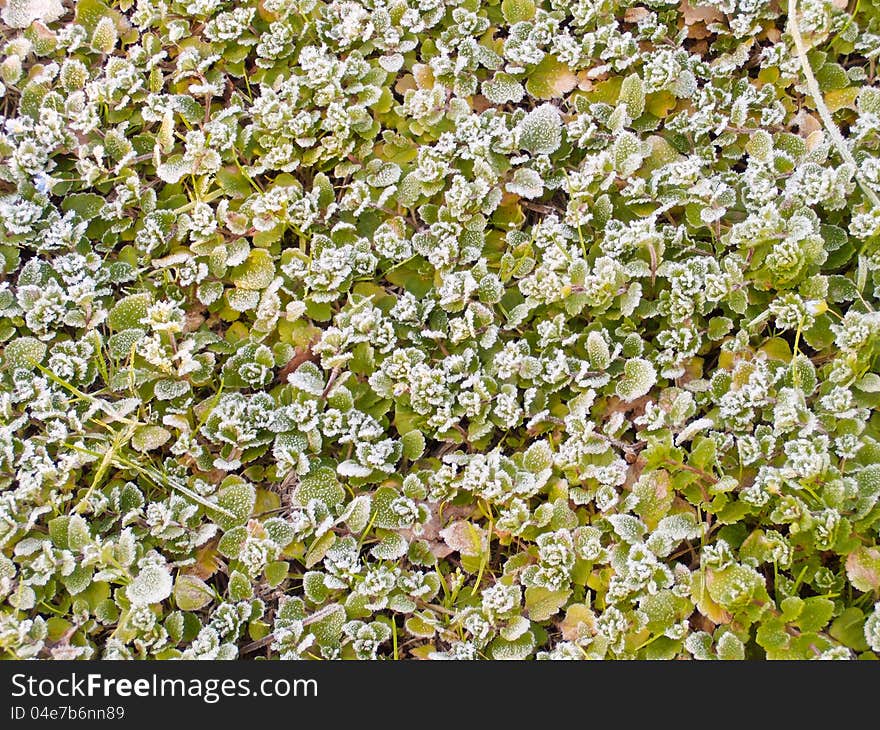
{"x": 323, "y": 485}
{"x": 87, "y": 205}
{"x": 632, "y": 93}
{"x": 863, "y": 568}
{"x": 149, "y": 438}
{"x": 24, "y": 352}
{"x": 516, "y": 11}
{"x": 276, "y": 573}
{"x": 413, "y": 445}
{"x": 639, "y": 376}
{"x": 128, "y": 312}
{"x": 849, "y": 629}
{"x": 319, "y": 548}
{"x": 542, "y": 603}
{"x": 237, "y": 497}
{"x": 256, "y": 273}
{"x": 191, "y": 593}
{"x": 550, "y": 79}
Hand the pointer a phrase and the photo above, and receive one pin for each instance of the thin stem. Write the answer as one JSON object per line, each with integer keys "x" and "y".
{"x": 824, "y": 113}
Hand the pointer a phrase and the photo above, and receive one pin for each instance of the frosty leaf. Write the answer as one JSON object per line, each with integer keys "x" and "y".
{"x": 384, "y": 515}
{"x": 173, "y": 169}
{"x": 392, "y": 62}
{"x": 869, "y": 100}
{"x": 314, "y": 588}
{"x": 632, "y": 93}
{"x": 232, "y": 542}
{"x": 598, "y": 352}
{"x": 307, "y": 378}
{"x": 516, "y": 11}
{"x": 326, "y": 624}
{"x": 629, "y": 153}
{"x": 148, "y": 438}
{"x": 104, "y": 36}
{"x": 639, "y": 376}
{"x": 503, "y": 88}
{"x": 237, "y": 498}
{"x": 526, "y": 183}
{"x": 24, "y": 352}
{"x": 351, "y": 468}
{"x": 21, "y": 13}
{"x": 627, "y": 527}
{"x": 538, "y": 457}
{"x": 151, "y": 585}
{"x": 760, "y": 145}
{"x": 256, "y": 272}
{"x": 279, "y": 529}
{"x": 170, "y": 389}
{"x": 502, "y": 649}
{"x": 869, "y": 383}
{"x": 679, "y": 527}
{"x": 516, "y": 627}
{"x": 391, "y": 547}
{"x": 79, "y": 579}
{"x": 730, "y": 648}
{"x": 734, "y": 586}
{"x": 699, "y": 644}
{"x": 322, "y": 485}
{"x": 356, "y": 514}
{"x": 868, "y": 483}
{"x": 239, "y": 588}
{"x": 127, "y": 313}
{"x": 78, "y": 533}
{"x": 541, "y": 130}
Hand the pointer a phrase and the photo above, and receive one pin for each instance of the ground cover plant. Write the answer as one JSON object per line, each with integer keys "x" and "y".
{"x": 439, "y": 329}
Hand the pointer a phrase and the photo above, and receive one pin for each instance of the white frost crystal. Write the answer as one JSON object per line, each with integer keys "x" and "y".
{"x": 639, "y": 377}
{"x": 540, "y": 131}
{"x": 21, "y": 13}
{"x": 152, "y": 584}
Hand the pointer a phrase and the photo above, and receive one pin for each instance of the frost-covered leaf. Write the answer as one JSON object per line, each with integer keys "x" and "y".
{"x": 540, "y": 131}
{"x": 151, "y": 585}
{"x": 21, "y": 13}
{"x": 149, "y": 438}
{"x": 639, "y": 376}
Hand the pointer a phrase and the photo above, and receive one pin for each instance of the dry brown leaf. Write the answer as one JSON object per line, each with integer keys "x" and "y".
{"x": 699, "y": 13}
{"x": 465, "y": 537}
{"x": 430, "y": 531}
{"x": 697, "y": 17}
{"x": 579, "y": 622}
{"x": 634, "y": 15}
{"x": 806, "y": 123}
